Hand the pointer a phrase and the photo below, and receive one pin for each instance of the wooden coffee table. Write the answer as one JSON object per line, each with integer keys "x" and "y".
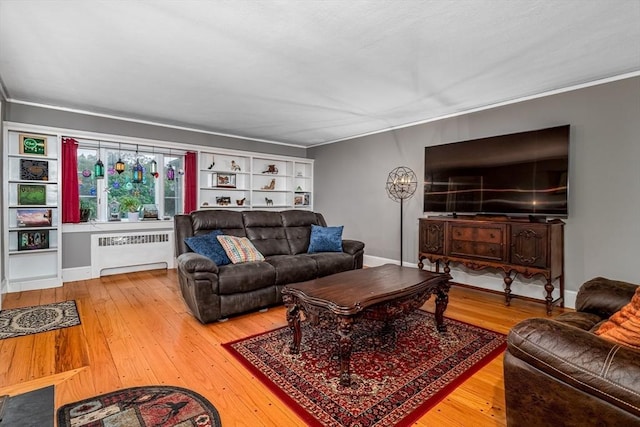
{"x": 381, "y": 293}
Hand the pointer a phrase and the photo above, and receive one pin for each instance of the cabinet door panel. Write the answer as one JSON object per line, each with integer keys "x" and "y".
{"x": 432, "y": 237}
{"x": 529, "y": 245}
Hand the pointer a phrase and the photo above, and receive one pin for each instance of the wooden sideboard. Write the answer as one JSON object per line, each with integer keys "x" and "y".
{"x": 529, "y": 247}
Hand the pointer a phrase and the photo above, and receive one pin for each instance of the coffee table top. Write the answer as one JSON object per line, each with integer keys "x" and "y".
{"x": 352, "y": 291}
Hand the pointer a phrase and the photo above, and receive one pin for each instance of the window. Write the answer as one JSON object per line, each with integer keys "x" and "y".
{"x": 88, "y": 189}
{"x": 120, "y": 190}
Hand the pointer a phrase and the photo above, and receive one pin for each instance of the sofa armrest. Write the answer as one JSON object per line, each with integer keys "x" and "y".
{"x": 352, "y": 247}
{"x": 603, "y": 296}
{"x": 580, "y": 359}
{"x": 192, "y": 262}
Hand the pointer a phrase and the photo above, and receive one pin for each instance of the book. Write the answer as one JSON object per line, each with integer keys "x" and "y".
{"x": 31, "y": 194}
{"x": 33, "y": 217}
{"x": 34, "y": 170}
{"x": 32, "y": 240}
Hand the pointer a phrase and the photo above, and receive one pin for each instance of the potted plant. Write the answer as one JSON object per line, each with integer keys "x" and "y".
{"x": 131, "y": 205}
{"x": 85, "y": 211}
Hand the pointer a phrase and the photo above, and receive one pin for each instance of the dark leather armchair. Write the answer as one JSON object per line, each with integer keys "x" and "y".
{"x": 557, "y": 372}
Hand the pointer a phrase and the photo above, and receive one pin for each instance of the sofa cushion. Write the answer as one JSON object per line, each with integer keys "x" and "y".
{"x": 297, "y": 225}
{"x": 325, "y": 239}
{"x": 293, "y": 268}
{"x": 332, "y": 262}
{"x": 624, "y": 326}
{"x": 245, "y": 277}
{"x": 209, "y": 246}
{"x": 266, "y": 232}
{"x": 229, "y": 222}
{"x": 239, "y": 249}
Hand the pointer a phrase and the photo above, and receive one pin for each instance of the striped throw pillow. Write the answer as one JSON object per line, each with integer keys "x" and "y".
{"x": 239, "y": 249}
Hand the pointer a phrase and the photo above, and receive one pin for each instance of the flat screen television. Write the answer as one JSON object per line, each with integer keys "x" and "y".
{"x": 522, "y": 173}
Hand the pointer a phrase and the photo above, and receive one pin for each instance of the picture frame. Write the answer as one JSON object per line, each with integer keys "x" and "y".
{"x": 298, "y": 200}
{"x": 33, "y": 145}
{"x": 223, "y": 201}
{"x": 33, "y": 218}
{"x": 34, "y": 170}
{"x": 224, "y": 180}
{"x": 33, "y": 240}
{"x": 32, "y": 194}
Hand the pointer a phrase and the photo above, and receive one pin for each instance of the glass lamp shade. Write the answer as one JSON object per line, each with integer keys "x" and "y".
{"x": 137, "y": 172}
{"x": 98, "y": 169}
{"x": 171, "y": 173}
{"x": 153, "y": 168}
{"x": 120, "y": 166}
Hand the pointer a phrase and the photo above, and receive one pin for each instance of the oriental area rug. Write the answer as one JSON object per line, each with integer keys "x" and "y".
{"x": 16, "y": 322}
{"x": 164, "y": 406}
{"x": 395, "y": 376}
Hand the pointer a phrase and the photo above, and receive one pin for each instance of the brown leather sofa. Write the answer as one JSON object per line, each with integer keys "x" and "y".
{"x": 213, "y": 292}
{"x": 557, "y": 372}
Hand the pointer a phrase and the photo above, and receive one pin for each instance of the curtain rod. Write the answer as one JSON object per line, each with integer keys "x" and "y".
{"x": 127, "y": 146}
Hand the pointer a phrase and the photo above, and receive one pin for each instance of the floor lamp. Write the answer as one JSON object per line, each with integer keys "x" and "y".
{"x": 401, "y": 184}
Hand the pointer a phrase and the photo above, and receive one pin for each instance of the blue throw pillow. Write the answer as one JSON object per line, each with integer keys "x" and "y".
{"x": 208, "y": 245}
{"x": 325, "y": 239}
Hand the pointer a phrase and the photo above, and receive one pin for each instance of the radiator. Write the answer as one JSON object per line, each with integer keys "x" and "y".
{"x": 126, "y": 252}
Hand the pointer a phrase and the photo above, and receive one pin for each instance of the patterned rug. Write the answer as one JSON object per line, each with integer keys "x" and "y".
{"x": 16, "y": 322}
{"x": 395, "y": 377}
{"x": 141, "y": 407}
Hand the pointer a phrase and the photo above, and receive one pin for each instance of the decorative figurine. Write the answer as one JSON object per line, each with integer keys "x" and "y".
{"x": 271, "y": 185}
{"x": 235, "y": 166}
{"x": 271, "y": 169}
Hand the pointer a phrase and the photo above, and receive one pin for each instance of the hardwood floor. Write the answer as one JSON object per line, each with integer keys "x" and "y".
{"x": 136, "y": 330}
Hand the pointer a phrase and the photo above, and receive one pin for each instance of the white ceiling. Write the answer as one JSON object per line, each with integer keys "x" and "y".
{"x": 307, "y": 72}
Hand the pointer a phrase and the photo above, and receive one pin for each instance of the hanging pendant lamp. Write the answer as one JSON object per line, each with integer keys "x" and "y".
{"x": 153, "y": 167}
{"x": 98, "y": 168}
{"x": 138, "y": 170}
{"x": 119, "y": 164}
{"x": 171, "y": 172}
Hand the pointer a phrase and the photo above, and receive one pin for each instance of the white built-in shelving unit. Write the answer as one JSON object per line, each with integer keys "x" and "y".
{"x": 31, "y": 209}
{"x": 238, "y": 180}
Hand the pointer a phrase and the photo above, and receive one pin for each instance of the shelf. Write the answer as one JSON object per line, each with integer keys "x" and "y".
{"x": 224, "y": 189}
{"x": 31, "y": 228}
{"x": 32, "y": 251}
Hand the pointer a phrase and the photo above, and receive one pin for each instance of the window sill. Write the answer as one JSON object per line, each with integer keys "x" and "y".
{"x": 93, "y": 226}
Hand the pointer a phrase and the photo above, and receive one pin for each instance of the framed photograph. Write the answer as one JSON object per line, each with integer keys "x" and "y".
{"x": 32, "y": 194}
{"x": 298, "y": 199}
{"x": 33, "y": 217}
{"x": 32, "y": 240}
{"x": 226, "y": 180}
{"x": 223, "y": 201}
{"x": 33, "y": 144}
{"x": 34, "y": 170}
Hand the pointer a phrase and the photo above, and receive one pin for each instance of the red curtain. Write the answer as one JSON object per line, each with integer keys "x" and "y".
{"x": 190, "y": 182}
{"x": 70, "y": 191}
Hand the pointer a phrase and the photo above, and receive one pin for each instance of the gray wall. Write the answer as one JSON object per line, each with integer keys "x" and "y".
{"x": 602, "y": 231}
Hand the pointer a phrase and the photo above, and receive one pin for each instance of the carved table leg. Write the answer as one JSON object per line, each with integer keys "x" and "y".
{"x": 507, "y": 288}
{"x": 447, "y": 270}
{"x": 344, "y": 331}
{"x": 442, "y": 299}
{"x": 549, "y": 298}
{"x": 420, "y": 263}
{"x": 293, "y": 318}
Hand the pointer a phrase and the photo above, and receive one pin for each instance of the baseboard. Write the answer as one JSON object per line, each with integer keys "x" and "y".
{"x": 85, "y": 273}
{"x": 75, "y": 274}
